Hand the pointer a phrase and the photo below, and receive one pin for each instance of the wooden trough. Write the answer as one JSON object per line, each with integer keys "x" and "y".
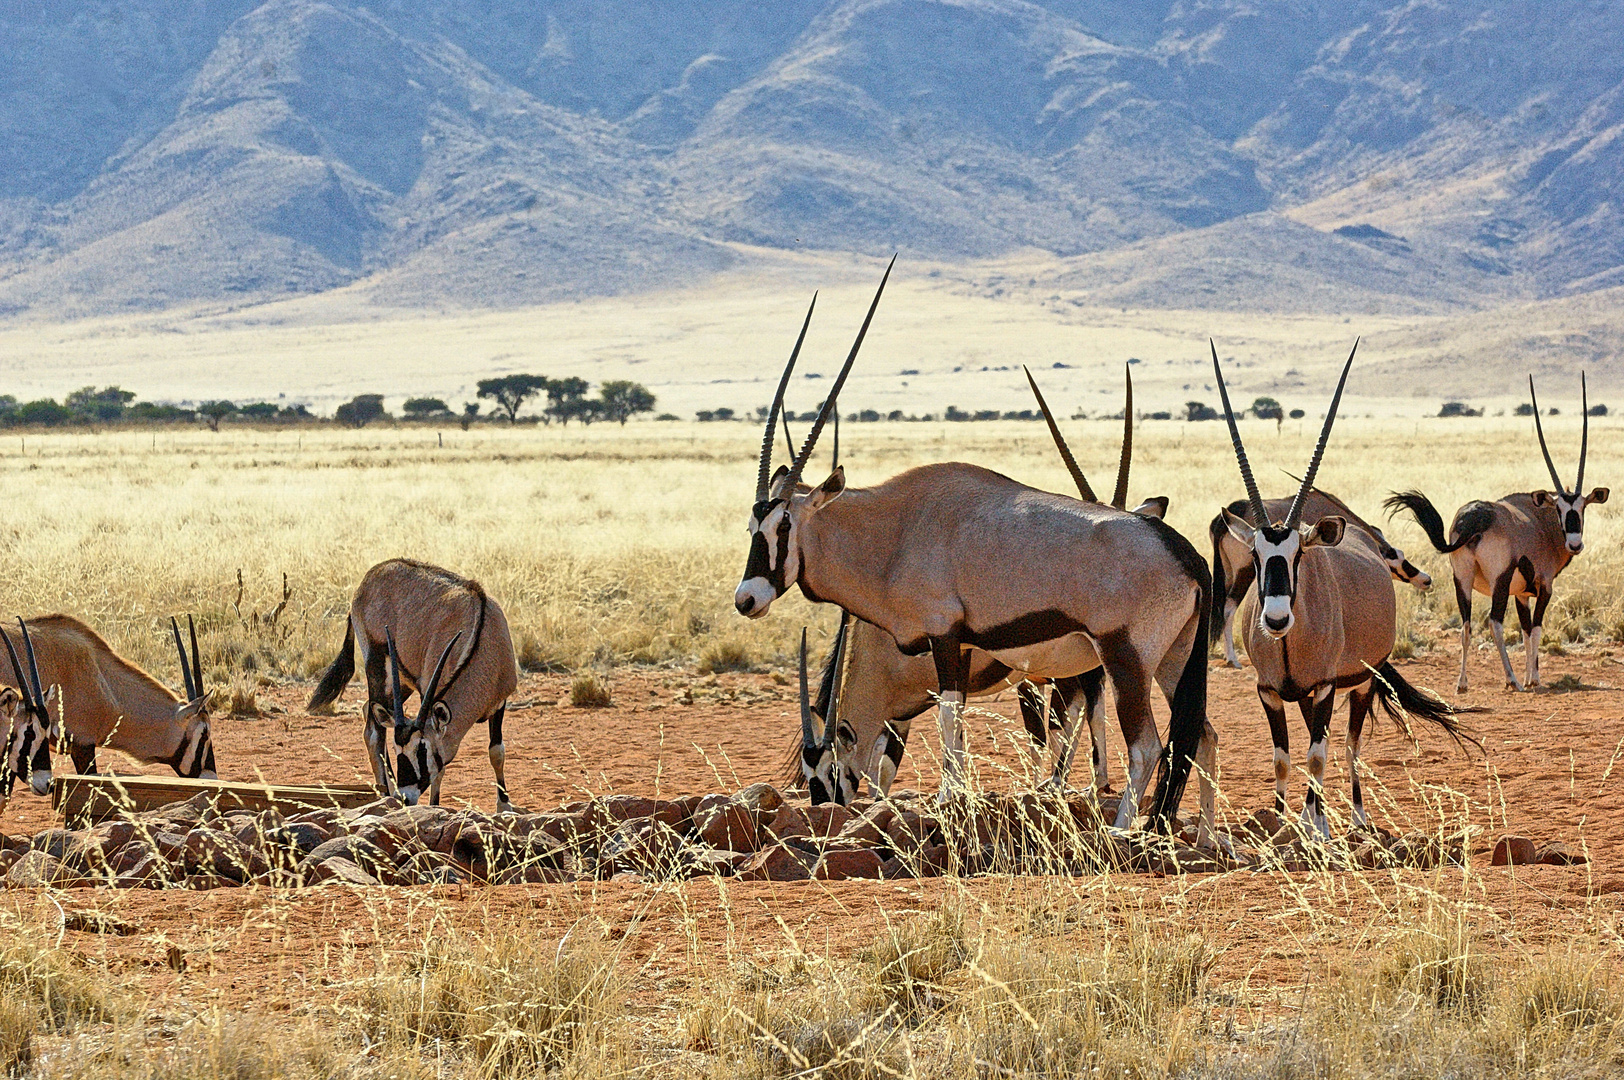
{"x": 85, "y": 800}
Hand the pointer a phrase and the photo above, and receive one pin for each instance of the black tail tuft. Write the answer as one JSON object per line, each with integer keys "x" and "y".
{"x": 1427, "y": 516}
{"x": 1220, "y": 587}
{"x": 1402, "y": 701}
{"x": 1185, "y": 729}
{"x": 338, "y": 673}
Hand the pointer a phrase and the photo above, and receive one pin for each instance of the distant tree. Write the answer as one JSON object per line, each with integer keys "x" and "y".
{"x": 1598, "y": 410}
{"x": 215, "y": 411}
{"x": 1266, "y": 408}
{"x": 587, "y": 410}
{"x": 1458, "y": 408}
{"x": 360, "y": 410}
{"x": 421, "y": 408}
{"x": 724, "y": 413}
{"x": 1296, "y": 414}
{"x": 1161, "y": 415}
{"x": 470, "y": 413}
{"x": 151, "y": 412}
{"x": 105, "y": 405}
{"x": 705, "y": 416}
{"x": 290, "y": 413}
{"x": 668, "y": 416}
{"x": 622, "y": 399}
{"x": 510, "y": 392}
{"x": 1524, "y": 409}
{"x": 1199, "y": 410}
{"x": 260, "y": 410}
{"x": 43, "y": 413}
{"x": 563, "y": 396}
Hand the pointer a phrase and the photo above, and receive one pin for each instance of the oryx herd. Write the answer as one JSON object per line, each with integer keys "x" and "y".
{"x": 954, "y": 581}
{"x": 77, "y": 692}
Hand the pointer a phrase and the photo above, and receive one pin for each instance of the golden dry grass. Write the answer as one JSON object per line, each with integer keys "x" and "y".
{"x": 617, "y": 545}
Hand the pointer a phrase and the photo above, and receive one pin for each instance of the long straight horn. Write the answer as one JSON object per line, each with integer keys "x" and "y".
{"x": 1584, "y": 439}
{"x": 832, "y": 402}
{"x": 1259, "y": 516}
{"x": 197, "y": 661}
{"x": 834, "y": 459}
{"x": 185, "y": 668}
{"x": 394, "y": 679}
{"x": 1077, "y": 476}
{"x": 764, "y": 472}
{"x": 439, "y": 667}
{"x": 1538, "y": 427}
{"x": 808, "y": 737}
{"x": 1295, "y": 518}
{"x": 1119, "y": 499}
{"x": 33, "y": 665}
{"x": 22, "y": 680}
{"x": 831, "y": 721}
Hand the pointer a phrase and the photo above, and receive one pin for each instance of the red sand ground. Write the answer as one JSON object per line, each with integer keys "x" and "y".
{"x": 1552, "y": 768}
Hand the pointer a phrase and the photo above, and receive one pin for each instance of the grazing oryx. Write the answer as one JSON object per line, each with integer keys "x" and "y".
{"x": 1319, "y": 617}
{"x": 1512, "y": 548}
{"x": 1232, "y": 563}
{"x": 427, "y": 611}
{"x": 108, "y": 701}
{"x": 884, "y": 690}
{"x": 951, "y": 557}
{"x": 28, "y": 737}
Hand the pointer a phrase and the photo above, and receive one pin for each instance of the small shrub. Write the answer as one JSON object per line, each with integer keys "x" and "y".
{"x": 1458, "y": 408}
{"x": 725, "y": 656}
{"x": 590, "y": 691}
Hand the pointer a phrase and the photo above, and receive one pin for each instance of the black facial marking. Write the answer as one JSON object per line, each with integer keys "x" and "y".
{"x": 1276, "y": 577}
{"x": 1571, "y": 524}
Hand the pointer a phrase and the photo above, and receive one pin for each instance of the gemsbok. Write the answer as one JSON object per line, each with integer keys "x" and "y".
{"x": 425, "y": 611}
{"x": 28, "y": 735}
{"x": 108, "y": 701}
{"x": 951, "y": 557}
{"x": 1318, "y": 618}
{"x": 884, "y": 689}
{"x": 1512, "y": 548}
{"x": 1232, "y": 563}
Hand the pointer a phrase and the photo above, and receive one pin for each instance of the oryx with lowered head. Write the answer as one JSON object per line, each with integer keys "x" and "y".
{"x": 1232, "y": 563}
{"x": 885, "y": 689}
{"x": 1512, "y": 548}
{"x": 108, "y": 701}
{"x": 1318, "y": 618}
{"x": 951, "y": 557}
{"x": 433, "y": 615}
{"x": 28, "y": 713}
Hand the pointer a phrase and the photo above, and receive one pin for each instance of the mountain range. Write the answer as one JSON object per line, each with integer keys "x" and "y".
{"x": 1422, "y": 156}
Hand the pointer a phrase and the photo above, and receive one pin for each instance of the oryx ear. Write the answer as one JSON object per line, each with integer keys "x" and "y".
{"x": 775, "y": 486}
{"x": 380, "y": 715}
{"x": 1237, "y": 526}
{"x": 1327, "y": 531}
{"x": 826, "y": 492}
{"x": 1543, "y": 498}
{"x": 191, "y": 708}
{"x": 9, "y": 700}
{"x": 1597, "y": 495}
{"x": 439, "y": 718}
{"x": 1153, "y": 508}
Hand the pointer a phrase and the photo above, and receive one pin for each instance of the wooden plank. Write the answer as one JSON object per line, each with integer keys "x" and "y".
{"x": 88, "y": 799}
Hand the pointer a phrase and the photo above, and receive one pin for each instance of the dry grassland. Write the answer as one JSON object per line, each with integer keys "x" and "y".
{"x": 612, "y": 546}
{"x": 622, "y": 545}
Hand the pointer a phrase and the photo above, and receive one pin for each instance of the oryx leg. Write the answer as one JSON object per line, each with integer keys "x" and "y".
{"x": 1463, "y": 600}
{"x": 952, "y": 675}
{"x": 498, "y": 754}
{"x": 1206, "y": 765}
{"x": 1359, "y": 701}
{"x": 1540, "y": 603}
{"x": 1525, "y": 619}
{"x": 891, "y": 743}
{"x": 1092, "y": 685}
{"x": 1034, "y": 702}
{"x": 375, "y": 734}
{"x": 1275, "y": 710}
{"x": 1130, "y": 685}
{"x": 1080, "y": 698}
{"x": 1317, "y": 713}
{"x": 1232, "y": 600}
{"x": 1497, "y": 620}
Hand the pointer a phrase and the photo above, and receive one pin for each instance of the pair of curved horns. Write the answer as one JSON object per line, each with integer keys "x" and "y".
{"x": 830, "y": 403}
{"x": 33, "y": 696}
{"x": 191, "y": 672}
{"x": 809, "y": 736}
{"x": 1119, "y": 498}
{"x": 1294, "y": 517}
{"x": 1584, "y": 438}
{"x": 428, "y": 692}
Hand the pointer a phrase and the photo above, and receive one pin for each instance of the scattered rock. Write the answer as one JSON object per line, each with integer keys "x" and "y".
{"x": 38, "y": 869}
{"x": 336, "y": 869}
{"x": 779, "y": 862}
{"x": 844, "y": 864}
{"x": 1514, "y": 851}
{"x": 1556, "y": 853}
{"x": 722, "y": 823}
